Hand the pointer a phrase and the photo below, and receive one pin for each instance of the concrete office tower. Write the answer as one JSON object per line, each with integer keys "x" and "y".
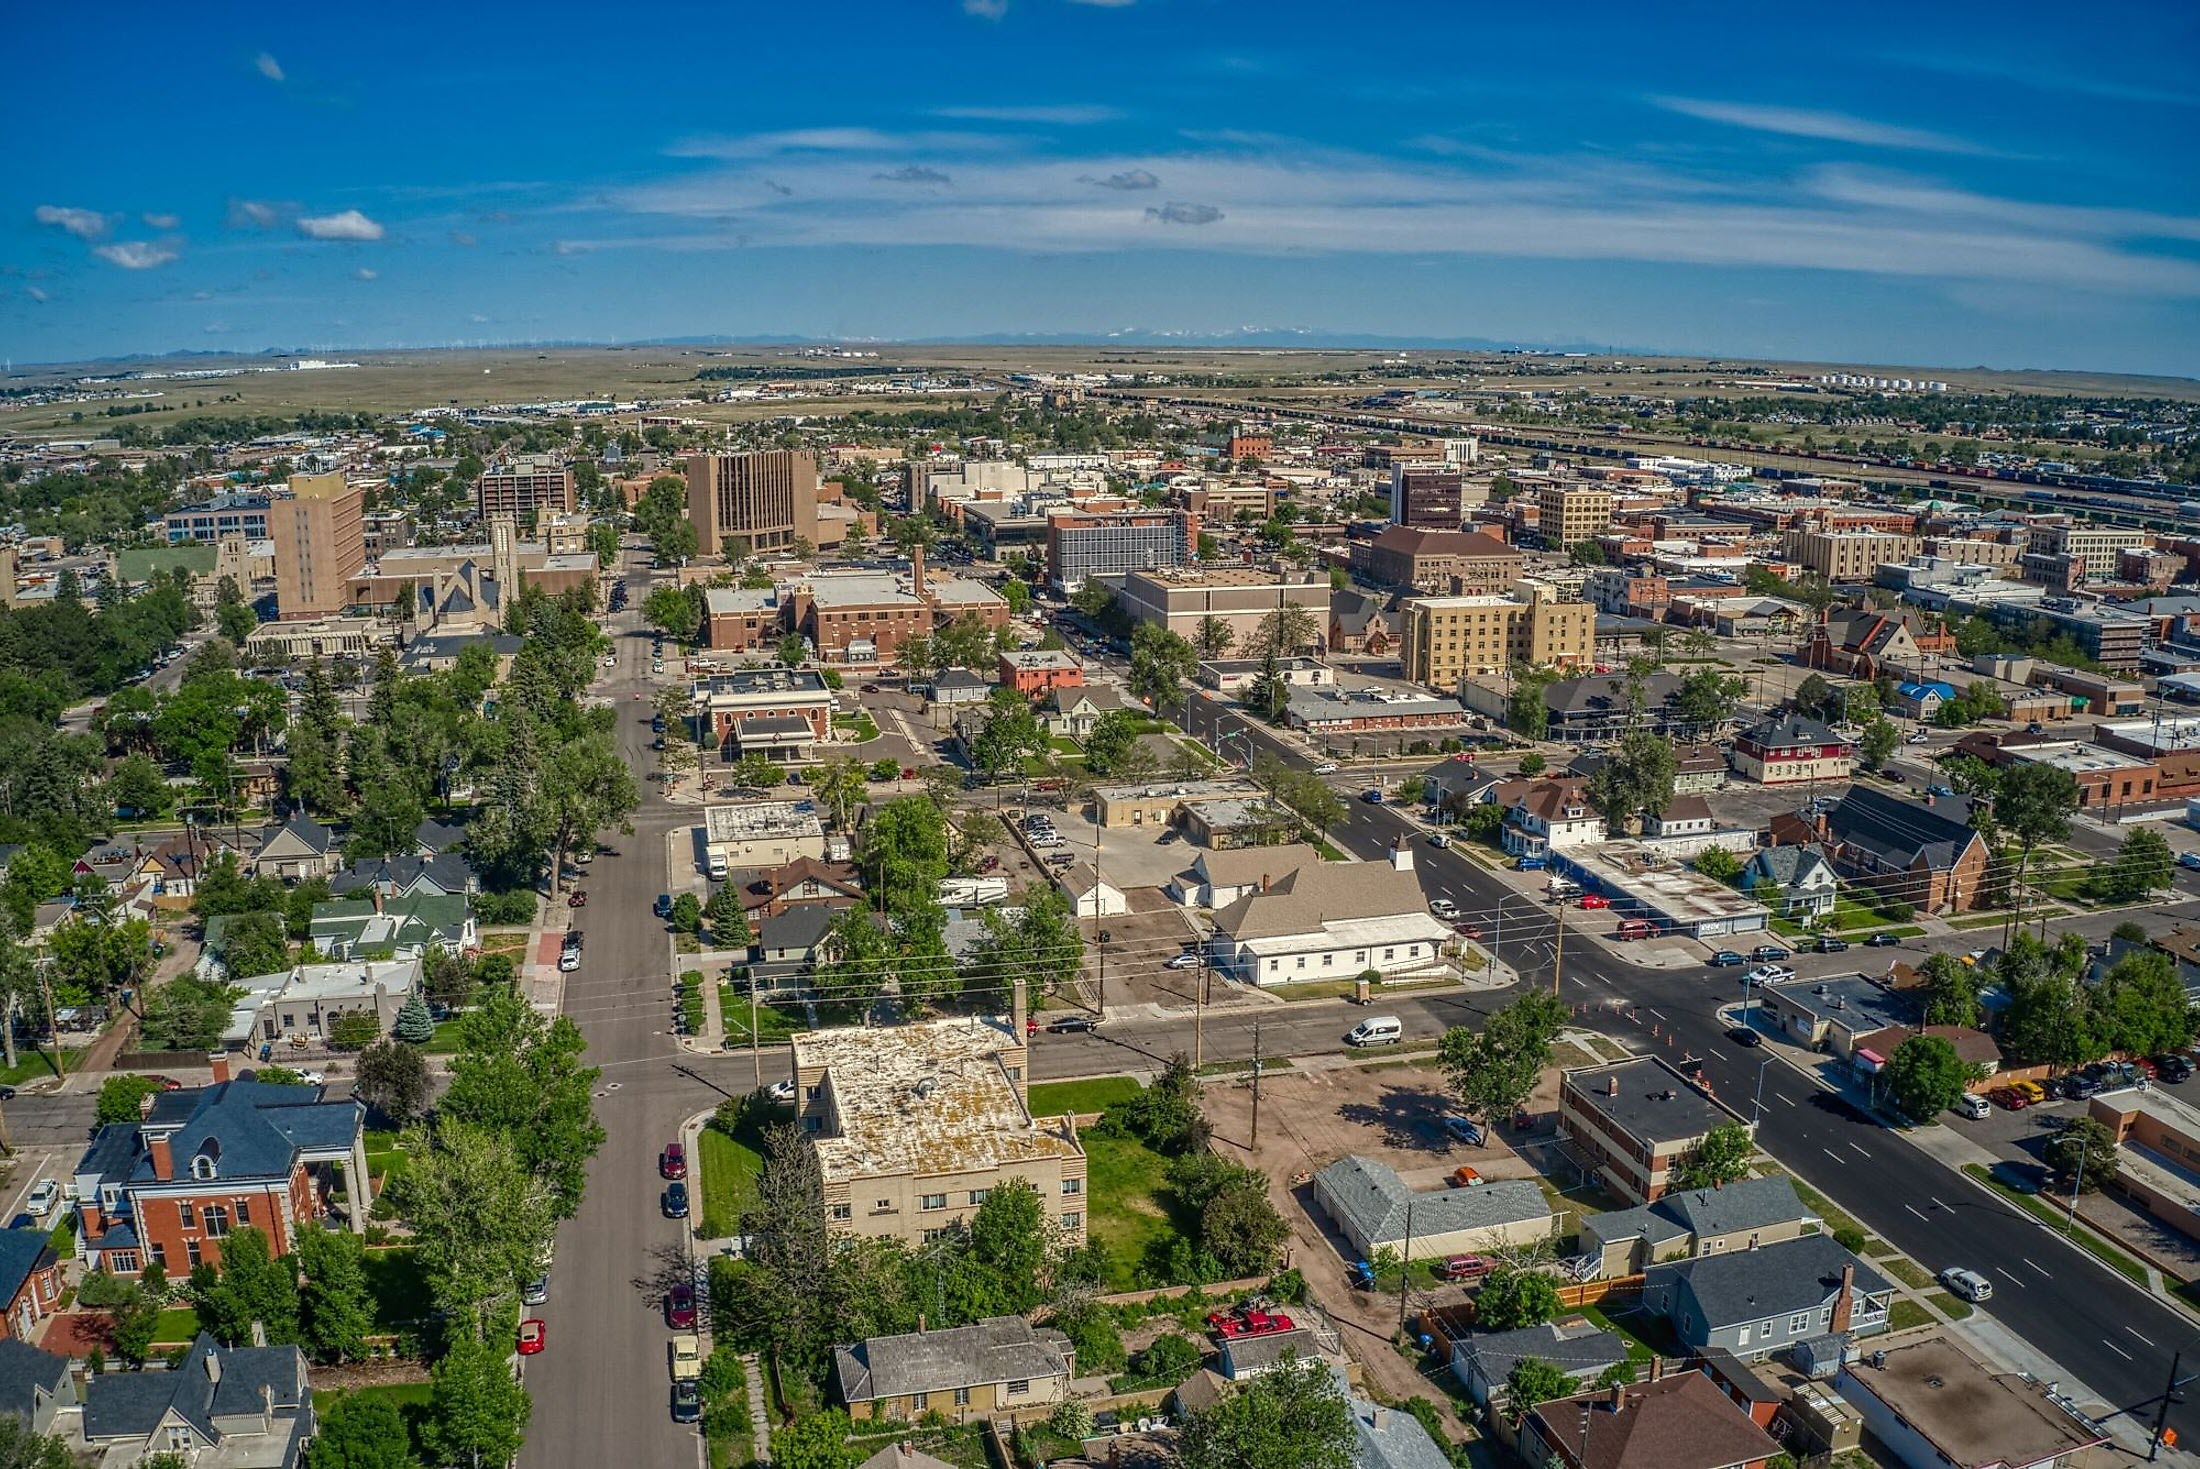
{"x": 764, "y": 501}
{"x": 319, "y": 533}
{"x": 1568, "y": 515}
{"x": 1426, "y": 497}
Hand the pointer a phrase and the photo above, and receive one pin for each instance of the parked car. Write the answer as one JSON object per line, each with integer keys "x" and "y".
{"x": 2078, "y": 1086}
{"x": 1828, "y": 944}
{"x": 663, "y": 906}
{"x": 535, "y": 1292}
{"x": 2033, "y": 1091}
{"x": 680, "y": 1307}
{"x": 1443, "y": 908}
{"x": 687, "y": 1401}
{"x": 2009, "y": 1097}
{"x": 1881, "y": 941}
{"x": 673, "y": 1161}
{"x": 1726, "y": 959}
{"x": 576, "y": 899}
{"x": 1468, "y": 930}
{"x": 1072, "y": 1024}
{"x": 1768, "y": 974}
{"x": 1182, "y": 961}
{"x": 781, "y": 1092}
{"x": 1327, "y": 767}
{"x": 1464, "y": 1267}
{"x": 1465, "y": 1176}
{"x": 1463, "y": 1130}
{"x": 2190, "y": 860}
{"x": 1919, "y": 738}
{"x": 533, "y": 1337}
{"x": 43, "y": 1197}
{"x": 569, "y": 960}
{"x": 1767, "y": 951}
{"x": 675, "y": 1201}
{"x": 1372, "y": 797}
{"x": 1968, "y": 1284}
{"x": 1438, "y": 839}
{"x": 1743, "y": 1035}
{"x": 2173, "y": 1068}
{"x": 1531, "y": 864}
{"x": 1971, "y": 1105}
{"x": 1937, "y": 789}
{"x": 1595, "y": 900}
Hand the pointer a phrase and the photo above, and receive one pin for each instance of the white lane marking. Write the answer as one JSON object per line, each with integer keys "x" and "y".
{"x": 1861, "y": 1149}
{"x": 2035, "y": 1265}
{"x": 1654, "y": 1014}
{"x": 2005, "y": 1275}
{"x": 1940, "y": 1205}
{"x": 1913, "y": 1211}
{"x": 1783, "y": 1098}
{"x": 2139, "y": 1334}
{"x": 1833, "y": 1155}
{"x": 2119, "y": 1351}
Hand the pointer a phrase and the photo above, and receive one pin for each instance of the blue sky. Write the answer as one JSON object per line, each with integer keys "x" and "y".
{"x": 1951, "y": 184}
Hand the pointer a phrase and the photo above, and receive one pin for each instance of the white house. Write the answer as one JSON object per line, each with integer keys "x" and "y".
{"x": 1091, "y": 895}
{"x": 1331, "y": 920}
{"x": 1805, "y": 879}
{"x": 1548, "y": 814}
{"x": 1218, "y": 879}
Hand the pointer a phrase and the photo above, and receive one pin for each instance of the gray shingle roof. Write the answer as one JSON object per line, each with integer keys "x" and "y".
{"x": 131, "y": 1404}
{"x": 24, "y": 1371}
{"x": 997, "y": 1349}
{"x": 1391, "y": 1438}
{"x": 1899, "y": 832}
{"x": 21, "y": 1252}
{"x": 1753, "y": 1203}
{"x": 1774, "y": 1280}
{"x": 1374, "y": 1198}
{"x": 1582, "y": 1352}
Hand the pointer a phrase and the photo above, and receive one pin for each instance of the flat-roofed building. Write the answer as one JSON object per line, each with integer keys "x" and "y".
{"x": 320, "y": 543}
{"x": 762, "y": 834}
{"x": 1449, "y": 639}
{"x": 1845, "y": 555}
{"x": 857, "y": 617}
{"x": 770, "y": 701}
{"x": 1932, "y": 1405}
{"x": 1084, "y": 544}
{"x": 528, "y": 484}
{"x": 1635, "y": 1121}
{"x": 222, "y": 516}
{"x": 1567, "y": 515}
{"x": 761, "y": 501}
{"x": 915, "y": 1124}
{"x": 1427, "y": 496}
{"x": 742, "y": 620}
{"x": 1439, "y": 562}
{"x": 1239, "y": 597}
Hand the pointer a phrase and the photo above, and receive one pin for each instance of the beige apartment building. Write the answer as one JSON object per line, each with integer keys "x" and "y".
{"x": 762, "y": 501}
{"x": 2098, "y": 546}
{"x": 1567, "y": 515}
{"x": 1448, "y": 639}
{"x": 529, "y": 485}
{"x": 1180, "y": 598}
{"x": 319, "y": 531}
{"x": 1846, "y": 555}
{"x": 915, "y": 1124}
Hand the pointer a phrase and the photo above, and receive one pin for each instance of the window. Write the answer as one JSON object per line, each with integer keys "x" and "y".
{"x": 190, "y": 1214}
{"x": 932, "y": 1201}
{"x": 244, "y": 1212}
{"x": 1302, "y": 961}
{"x": 191, "y": 1251}
{"x": 962, "y": 1397}
{"x": 919, "y": 1400}
{"x": 202, "y": 1166}
{"x": 1799, "y": 1323}
{"x": 841, "y": 1211}
{"x": 1073, "y": 1220}
{"x": 977, "y": 1196}
{"x": 1390, "y": 953}
{"x": 1073, "y": 1185}
{"x": 160, "y": 1254}
{"x": 1328, "y": 959}
{"x": 1765, "y": 1330}
{"x": 1019, "y": 1387}
{"x": 216, "y": 1221}
{"x": 179, "y": 1437}
{"x": 1741, "y": 1337}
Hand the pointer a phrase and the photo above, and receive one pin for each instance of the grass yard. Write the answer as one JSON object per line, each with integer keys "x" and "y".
{"x": 1645, "y": 1336}
{"x": 1199, "y": 752}
{"x": 772, "y": 1024}
{"x": 962, "y": 1447}
{"x": 400, "y": 1288}
{"x": 445, "y": 1041}
{"x": 1954, "y": 1308}
{"x": 1908, "y": 1271}
{"x": 177, "y": 1324}
{"x": 1905, "y": 1314}
{"x": 1123, "y": 1182}
{"x": 863, "y": 726}
{"x": 31, "y": 1066}
{"x": 1096, "y": 1094}
{"x": 411, "y": 1400}
{"x": 729, "y": 1166}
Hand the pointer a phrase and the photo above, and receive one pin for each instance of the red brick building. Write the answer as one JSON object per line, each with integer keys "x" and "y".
{"x": 30, "y": 1278}
{"x": 1039, "y": 671}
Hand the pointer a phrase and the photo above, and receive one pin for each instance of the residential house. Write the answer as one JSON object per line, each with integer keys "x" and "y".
{"x": 1633, "y": 1123}
{"x": 299, "y": 849}
{"x": 1676, "y": 1421}
{"x": 1787, "y": 749}
{"x": 1242, "y": 1358}
{"x": 1391, "y": 1438}
{"x": 35, "y": 1385}
{"x": 1483, "y": 1360}
{"x": 1932, "y": 1405}
{"x": 1863, "y": 644}
{"x": 903, "y": 1456}
{"x": 433, "y": 837}
{"x": 1757, "y": 1302}
{"x": 169, "y": 1187}
{"x": 299, "y": 1007}
{"x": 443, "y": 875}
{"x": 400, "y": 928}
{"x": 1907, "y": 851}
{"x": 30, "y": 1280}
{"x": 806, "y": 882}
{"x": 239, "y": 1407}
{"x": 1548, "y": 814}
{"x": 1331, "y": 920}
{"x": 954, "y": 688}
{"x": 1683, "y": 816}
{"x": 1073, "y": 712}
{"x": 793, "y": 939}
{"x": 1803, "y": 876}
{"x": 1090, "y": 894}
{"x": 1218, "y": 879}
{"x": 1002, "y": 1365}
{"x": 1920, "y": 700}
{"x": 1375, "y": 1211}
{"x": 1362, "y": 622}
{"x": 1702, "y": 1221}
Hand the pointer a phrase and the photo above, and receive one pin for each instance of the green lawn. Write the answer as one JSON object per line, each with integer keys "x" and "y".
{"x": 864, "y": 726}
{"x": 1950, "y": 1306}
{"x": 1123, "y": 1183}
{"x": 400, "y": 1288}
{"x": 773, "y": 1025}
{"x": 1064, "y": 745}
{"x": 177, "y": 1324}
{"x": 1909, "y": 1272}
{"x": 1053, "y": 1098}
{"x": 30, "y": 1066}
{"x": 728, "y": 1167}
{"x": 1906, "y": 1313}
{"x": 445, "y": 1040}
{"x": 411, "y": 1400}
{"x": 62, "y": 1237}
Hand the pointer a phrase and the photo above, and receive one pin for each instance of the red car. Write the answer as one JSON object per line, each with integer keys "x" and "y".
{"x": 1465, "y": 1267}
{"x": 577, "y": 900}
{"x": 673, "y": 1161}
{"x": 166, "y": 1083}
{"x": 1031, "y": 1025}
{"x": 680, "y": 1307}
{"x": 1467, "y": 930}
{"x": 1595, "y": 900}
{"x": 533, "y": 1337}
{"x": 2010, "y": 1097}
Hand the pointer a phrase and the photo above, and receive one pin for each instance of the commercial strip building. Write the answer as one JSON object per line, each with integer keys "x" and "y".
{"x": 1932, "y": 1405}
{"x": 1632, "y": 1123}
{"x": 1375, "y": 1210}
{"x": 915, "y": 1124}
{"x": 2157, "y": 1154}
{"x": 1656, "y": 881}
{"x": 1083, "y": 544}
{"x": 762, "y": 834}
{"x": 1333, "y": 920}
{"x": 1447, "y": 640}
{"x": 1238, "y": 597}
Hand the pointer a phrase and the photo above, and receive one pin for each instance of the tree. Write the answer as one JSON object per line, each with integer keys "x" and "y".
{"x": 1814, "y": 696}
{"x": 1533, "y": 1381}
{"x": 672, "y": 611}
{"x": 1723, "y": 1157}
{"x": 2141, "y": 865}
{"x": 138, "y": 787}
{"x": 1240, "y": 1227}
{"x": 520, "y": 1076}
{"x": 1718, "y": 864}
{"x": 477, "y": 1411}
{"x": 187, "y": 1014}
{"x": 728, "y": 918}
{"x": 336, "y": 1306}
{"x": 840, "y": 788}
{"x": 1925, "y": 1076}
{"x": 1636, "y": 776}
{"x": 253, "y": 1287}
{"x": 1287, "y": 631}
{"x": 687, "y": 913}
{"x": 355, "y": 1431}
{"x": 2046, "y": 1023}
{"x": 2032, "y": 805}
{"x": 1008, "y": 1240}
{"x": 585, "y": 786}
{"x": 22, "y": 1449}
{"x": 482, "y": 1220}
{"x": 815, "y": 1441}
{"x": 1162, "y": 664}
{"x": 789, "y": 1248}
{"x": 1494, "y": 1070}
{"x": 134, "y": 1320}
{"x": 1513, "y": 1296}
{"x": 393, "y": 1078}
{"x": 2140, "y": 1006}
{"x": 2082, "y": 1155}
{"x": 1951, "y": 991}
{"x": 255, "y": 943}
{"x": 903, "y": 855}
{"x": 414, "y": 1026}
{"x": 1213, "y": 636}
{"x": 1531, "y": 765}
{"x": 1879, "y": 741}
{"x": 1708, "y": 698}
{"x": 1293, "y": 1416}
{"x": 122, "y": 1098}
{"x": 1113, "y": 734}
{"x": 1011, "y": 735}
{"x": 1037, "y": 939}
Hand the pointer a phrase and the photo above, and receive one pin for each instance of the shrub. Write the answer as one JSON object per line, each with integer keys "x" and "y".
{"x": 1850, "y": 1238}
{"x": 514, "y": 906}
{"x": 1073, "y": 1420}
{"x": 1289, "y": 1287}
{"x": 1170, "y": 1358}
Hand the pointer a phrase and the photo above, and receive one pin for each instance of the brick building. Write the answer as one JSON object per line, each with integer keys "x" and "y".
{"x": 1444, "y": 563}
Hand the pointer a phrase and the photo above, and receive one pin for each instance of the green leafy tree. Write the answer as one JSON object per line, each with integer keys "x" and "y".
{"x": 356, "y": 1431}
{"x": 134, "y": 1320}
{"x": 903, "y": 855}
{"x": 1493, "y": 1071}
{"x": 1240, "y": 1228}
{"x": 2140, "y": 1006}
{"x": 1636, "y": 776}
{"x": 1036, "y": 939}
{"x": 2046, "y": 1023}
{"x": 1707, "y": 698}
{"x": 2032, "y": 806}
{"x": 585, "y": 787}
{"x": 672, "y": 611}
{"x": 137, "y": 786}
{"x": 2082, "y": 1155}
{"x": 1162, "y": 664}
{"x": 255, "y": 943}
{"x": 1723, "y": 1157}
{"x": 840, "y": 788}
{"x": 728, "y": 918}
{"x": 1925, "y": 1076}
{"x": 1718, "y": 864}
{"x": 336, "y": 1306}
{"x": 1010, "y": 735}
{"x": 2143, "y": 865}
{"x": 1511, "y": 1297}
{"x": 1008, "y": 1240}
{"x": 253, "y": 1287}
{"x": 1878, "y": 743}
{"x": 1113, "y": 735}
{"x": 687, "y": 913}
{"x": 1213, "y": 636}
{"x": 187, "y": 1014}
{"x": 520, "y": 1077}
{"x": 1293, "y": 1416}
{"x": 816, "y": 1441}
{"x": 122, "y": 1098}
{"x": 393, "y": 1079}
{"x": 482, "y": 1220}
{"x": 477, "y": 1411}
{"x": 22, "y": 1449}
{"x": 1534, "y": 1381}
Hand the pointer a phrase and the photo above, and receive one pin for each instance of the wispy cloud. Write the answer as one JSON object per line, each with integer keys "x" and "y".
{"x": 160, "y": 221}
{"x": 266, "y": 65}
{"x": 463, "y": 239}
{"x": 911, "y": 173}
{"x": 1068, "y": 114}
{"x": 2055, "y": 77}
{"x": 255, "y": 214}
{"x": 1832, "y": 127}
{"x": 135, "y": 254}
{"x": 1129, "y": 178}
{"x": 364, "y": 274}
{"x": 1174, "y": 213}
{"x": 36, "y": 294}
{"x": 829, "y": 140}
{"x": 347, "y": 224}
{"x": 85, "y": 224}
{"x": 986, "y": 9}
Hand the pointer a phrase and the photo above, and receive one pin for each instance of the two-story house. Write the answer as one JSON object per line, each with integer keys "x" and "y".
{"x": 30, "y": 1280}
{"x": 248, "y": 1407}
{"x": 1703, "y": 1221}
{"x": 300, "y": 848}
{"x": 1674, "y": 1421}
{"x": 206, "y": 1160}
{"x": 1548, "y": 814}
{"x": 1790, "y": 749}
{"x": 1803, "y": 880}
{"x": 1757, "y": 1302}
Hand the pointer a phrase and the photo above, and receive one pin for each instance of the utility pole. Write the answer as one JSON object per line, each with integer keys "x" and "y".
{"x": 2169, "y": 1395}
{"x": 1558, "y": 950}
{"x": 1405, "y": 1266}
{"x": 53, "y": 1023}
{"x": 1199, "y": 1011}
{"x": 1254, "y": 1145}
{"x": 756, "y": 1056}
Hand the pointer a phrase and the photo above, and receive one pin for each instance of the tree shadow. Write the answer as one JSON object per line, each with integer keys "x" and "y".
{"x": 1407, "y": 1118}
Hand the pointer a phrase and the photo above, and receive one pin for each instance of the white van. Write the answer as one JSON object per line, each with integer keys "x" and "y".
{"x": 1376, "y": 1030}
{"x": 717, "y": 867}
{"x": 1973, "y": 1106}
{"x": 1968, "y": 1284}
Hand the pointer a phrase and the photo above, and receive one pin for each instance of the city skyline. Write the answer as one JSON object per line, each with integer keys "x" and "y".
{"x": 1919, "y": 187}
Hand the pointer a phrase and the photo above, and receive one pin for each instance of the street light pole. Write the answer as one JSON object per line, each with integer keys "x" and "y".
{"x": 1757, "y": 1110}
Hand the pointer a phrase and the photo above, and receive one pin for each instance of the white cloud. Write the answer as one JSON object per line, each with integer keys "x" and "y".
{"x": 36, "y": 294}
{"x": 135, "y": 254}
{"x": 1834, "y": 127}
{"x": 1185, "y": 214}
{"x": 1129, "y": 178}
{"x": 364, "y": 274}
{"x": 1068, "y": 114}
{"x": 911, "y": 173}
{"x": 829, "y": 140}
{"x": 268, "y": 67}
{"x": 461, "y": 238}
{"x": 85, "y": 224}
{"x": 348, "y": 224}
{"x": 254, "y": 214}
{"x": 1106, "y": 4}
{"x": 161, "y": 221}
{"x": 986, "y": 9}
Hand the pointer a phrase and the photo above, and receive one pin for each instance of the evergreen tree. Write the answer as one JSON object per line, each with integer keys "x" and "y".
{"x": 414, "y": 1025}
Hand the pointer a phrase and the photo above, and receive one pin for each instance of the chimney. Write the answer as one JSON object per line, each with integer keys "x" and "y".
{"x": 1264, "y": 882}
{"x": 220, "y": 1062}
{"x": 213, "y": 1361}
{"x": 1017, "y": 1006}
{"x": 164, "y": 1163}
{"x": 376, "y": 889}
{"x": 1844, "y": 1304}
{"x": 1614, "y": 1396}
{"x": 916, "y": 570}
{"x": 1657, "y": 1368}
{"x": 1380, "y": 1418}
{"x": 259, "y": 1333}
{"x": 1611, "y": 1085}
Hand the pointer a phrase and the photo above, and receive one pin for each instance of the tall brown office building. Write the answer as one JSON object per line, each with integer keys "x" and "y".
{"x": 1426, "y": 497}
{"x": 766, "y": 500}
{"x": 320, "y": 539}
